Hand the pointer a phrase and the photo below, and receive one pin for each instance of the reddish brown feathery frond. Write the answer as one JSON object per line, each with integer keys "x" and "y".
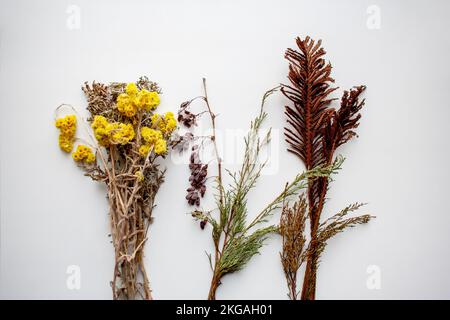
{"x": 315, "y": 129}
{"x": 339, "y": 125}
{"x": 309, "y": 91}
{"x": 348, "y": 114}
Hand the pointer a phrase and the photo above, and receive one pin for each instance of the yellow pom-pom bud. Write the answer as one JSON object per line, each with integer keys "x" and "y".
{"x": 70, "y": 120}
{"x": 130, "y": 110}
{"x": 123, "y": 100}
{"x": 169, "y": 115}
{"x": 139, "y": 175}
{"x": 99, "y": 122}
{"x": 68, "y": 127}
{"x": 122, "y": 133}
{"x": 83, "y": 154}
{"x": 171, "y": 125}
{"x": 65, "y": 143}
{"x": 150, "y": 135}
{"x": 90, "y": 158}
{"x": 131, "y": 89}
{"x": 155, "y": 119}
{"x": 160, "y": 146}
{"x": 144, "y": 149}
{"x": 154, "y": 100}
{"x": 59, "y": 123}
{"x": 77, "y": 156}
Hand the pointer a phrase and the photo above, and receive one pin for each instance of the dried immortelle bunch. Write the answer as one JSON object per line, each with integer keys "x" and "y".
{"x": 315, "y": 130}
{"x": 128, "y": 140}
{"x": 235, "y": 239}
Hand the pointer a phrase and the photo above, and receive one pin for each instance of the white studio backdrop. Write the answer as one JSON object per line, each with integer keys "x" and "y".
{"x": 53, "y": 217}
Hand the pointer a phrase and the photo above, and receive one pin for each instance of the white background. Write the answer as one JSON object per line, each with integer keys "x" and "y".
{"x": 52, "y": 216}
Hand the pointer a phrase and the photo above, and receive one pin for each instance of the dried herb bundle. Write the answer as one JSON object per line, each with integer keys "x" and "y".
{"x": 129, "y": 140}
{"x": 315, "y": 130}
{"x": 235, "y": 239}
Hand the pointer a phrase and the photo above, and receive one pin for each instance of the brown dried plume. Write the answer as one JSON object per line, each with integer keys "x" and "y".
{"x": 315, "y": 130}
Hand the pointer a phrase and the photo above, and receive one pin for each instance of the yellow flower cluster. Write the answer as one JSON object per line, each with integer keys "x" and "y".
{"x": 122, "y": 133}
{"x": 112, "y": 132}
{"x": 151, "y": 135}
{"x": 67, "y": 127}
{"x": 133, "y": 99}
{"x": 138, "y": 174}
{"x": 153, "y": 139}
{"x": 165, "y": 123}
{"x": 83, "y": 154}
{"x": 160, "y": 146}
{"x": 144, "y": 150}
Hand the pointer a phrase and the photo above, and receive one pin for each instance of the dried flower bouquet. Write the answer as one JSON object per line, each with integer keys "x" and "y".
{"x": 129, "y": 139}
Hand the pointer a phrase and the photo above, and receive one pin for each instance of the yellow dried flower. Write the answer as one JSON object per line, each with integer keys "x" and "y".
{"x": 131, "y": 89}
{"x": 83, "y": 154}
{"x": 169, "y": 115}
{"x": 144, "y": 150}
{"x": 171, "y": 125}
{"x": 154, "y": 119}
{"x": 59, "y": 122}
{"x": 100, "y": 125}
{"x": 67, "y": 127}
{"x": 166, "y": 124}
{"x": 139, "y": 175}
{"x": 70, "y": 120}
{"x": 150, "y": 135}
{"x": 160, "y": 146}
{"x": 68, "y": 131}
{"x": 102, "y": 136}
{"x": 90, "y": 158}
{"x": 122, "y": 133}
{"x": 65, "y": 143}
{"x": 147, "y": 100}
{"x": 112, "y": 132}
{"x": 99, "y": 122}
{"x": 126, "y": 105}
{"x": 133, "y": 99}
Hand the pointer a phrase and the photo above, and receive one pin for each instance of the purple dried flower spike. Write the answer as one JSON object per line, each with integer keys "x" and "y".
{"x": 199, "y": 172}
{"x": 187, "y": 118}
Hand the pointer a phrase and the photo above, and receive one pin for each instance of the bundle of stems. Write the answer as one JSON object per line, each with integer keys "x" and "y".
{"x": 315, "y": 130}
{"x": 235, "y": 239}
{"x": 131, "y": 201}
